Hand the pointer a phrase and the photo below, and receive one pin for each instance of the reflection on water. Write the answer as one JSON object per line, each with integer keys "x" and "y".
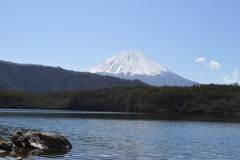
{"x": 26, "y": 153}
{"x": 98, "y": 135}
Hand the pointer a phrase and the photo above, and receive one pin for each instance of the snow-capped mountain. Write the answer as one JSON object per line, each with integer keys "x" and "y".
{"x": 133, "y": 64}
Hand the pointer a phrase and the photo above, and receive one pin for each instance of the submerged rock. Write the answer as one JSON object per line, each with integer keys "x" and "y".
{"x": 25, "y": 153}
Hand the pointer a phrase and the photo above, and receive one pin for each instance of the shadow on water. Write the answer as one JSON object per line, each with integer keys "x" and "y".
{"x": 118, "y": 115}
{"x": 157, "y": 117}
{"x": 24, "y": 153}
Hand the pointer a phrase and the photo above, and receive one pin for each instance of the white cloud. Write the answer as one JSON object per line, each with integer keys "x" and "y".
{"x": 212, "y": 65}
{"x": 235, "y": 73}
{"x": 198, "y": 74}
{"x": 200, "y": 59}
{"x": 234, "y": 77}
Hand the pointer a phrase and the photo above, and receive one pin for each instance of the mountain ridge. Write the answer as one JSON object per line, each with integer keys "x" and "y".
{"x": 39, "y": 78}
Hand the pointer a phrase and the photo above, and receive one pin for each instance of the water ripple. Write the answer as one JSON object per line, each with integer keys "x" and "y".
{"x": 129, "y": 138}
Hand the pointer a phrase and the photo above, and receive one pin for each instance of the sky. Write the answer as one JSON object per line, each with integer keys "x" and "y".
{"x": 196, "y": 39}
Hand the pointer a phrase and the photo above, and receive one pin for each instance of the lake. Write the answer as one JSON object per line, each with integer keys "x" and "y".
{"x": 113, "y": 135}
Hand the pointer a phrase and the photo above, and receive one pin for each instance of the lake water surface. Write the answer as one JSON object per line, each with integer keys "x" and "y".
{"x": 104, "y": 135}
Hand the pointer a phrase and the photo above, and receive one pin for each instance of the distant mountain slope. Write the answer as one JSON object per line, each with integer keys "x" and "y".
{"x": 133, "y": 64}
{"x": 37, "y": 78}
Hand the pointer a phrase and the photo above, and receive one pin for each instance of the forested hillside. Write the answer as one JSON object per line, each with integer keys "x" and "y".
{"x": 210, "y": 99}
{"x": 37, "y": 78}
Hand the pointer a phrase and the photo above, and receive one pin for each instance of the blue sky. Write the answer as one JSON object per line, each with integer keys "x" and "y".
{"x": 197, "y": 39}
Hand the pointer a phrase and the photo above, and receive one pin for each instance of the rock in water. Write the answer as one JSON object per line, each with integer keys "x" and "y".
{"x": 6, "y": 144}
{"x": 57, "y": 141}
{"x": 37, "y": 140}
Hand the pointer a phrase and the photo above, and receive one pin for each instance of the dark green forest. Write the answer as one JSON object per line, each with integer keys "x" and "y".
{"x": 203, "y": 99}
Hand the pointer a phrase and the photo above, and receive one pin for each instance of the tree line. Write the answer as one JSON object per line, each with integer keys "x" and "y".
{"x": 210, "y": 99}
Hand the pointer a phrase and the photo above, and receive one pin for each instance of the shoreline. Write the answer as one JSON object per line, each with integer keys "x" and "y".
{"x": 161, "y": 112}
{"x": 194, "y": 112}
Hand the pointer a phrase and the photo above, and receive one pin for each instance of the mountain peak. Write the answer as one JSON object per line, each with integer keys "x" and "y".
{"x": 130, "y": 62}
{"x": 132, "y": 52}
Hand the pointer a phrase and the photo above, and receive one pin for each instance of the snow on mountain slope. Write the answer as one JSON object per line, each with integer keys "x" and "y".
{"x": 133, "y": 64}
{"x": 131, "y": 61}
